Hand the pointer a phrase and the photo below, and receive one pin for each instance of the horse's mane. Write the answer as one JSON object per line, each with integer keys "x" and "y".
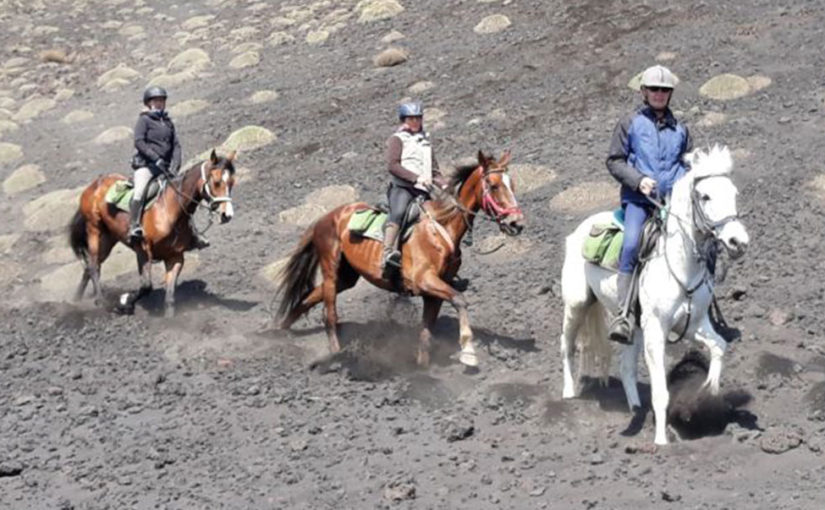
{"x": 446, "y": 208}
{"x": 715, "y": 161}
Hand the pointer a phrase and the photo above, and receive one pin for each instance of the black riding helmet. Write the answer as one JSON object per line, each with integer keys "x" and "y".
{"x": 153, "y": 92}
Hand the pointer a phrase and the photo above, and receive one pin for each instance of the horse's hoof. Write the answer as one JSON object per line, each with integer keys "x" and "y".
{"x": 468, "y": 358}
{"x": 169, "y": 313}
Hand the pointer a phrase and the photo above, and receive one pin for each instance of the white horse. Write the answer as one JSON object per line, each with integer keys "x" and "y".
{"x": 675, "y": 285}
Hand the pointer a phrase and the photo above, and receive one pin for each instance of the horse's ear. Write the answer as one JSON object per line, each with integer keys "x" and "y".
{"x": 213, "y": 157}
{"x": 505, "y": 159}
{"x": 231, "y": 156}
{"x": 482, "y": 159}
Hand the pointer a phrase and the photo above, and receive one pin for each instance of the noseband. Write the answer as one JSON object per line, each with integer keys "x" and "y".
{"x": 701, "y": 220}
{"x": 490, "y": 205}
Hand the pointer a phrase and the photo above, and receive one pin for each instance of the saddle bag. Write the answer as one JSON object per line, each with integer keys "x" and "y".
{"x": 603, "y": 244}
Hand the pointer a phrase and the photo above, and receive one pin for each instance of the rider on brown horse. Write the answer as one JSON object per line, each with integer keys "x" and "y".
{"x": 413, "y": 169}
{"x": 158, "y": 153}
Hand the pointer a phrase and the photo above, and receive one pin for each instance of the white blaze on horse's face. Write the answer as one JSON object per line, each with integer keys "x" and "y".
{"x": 503, "y": 193}
{"x": 716, "y": 196}
{"x": 227, "y": 210}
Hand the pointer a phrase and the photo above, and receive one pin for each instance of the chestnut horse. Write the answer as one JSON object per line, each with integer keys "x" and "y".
{"x": 430, "y": 257}
{"x": 97, "y": 226}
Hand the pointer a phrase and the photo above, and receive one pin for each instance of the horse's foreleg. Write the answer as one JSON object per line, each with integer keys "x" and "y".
{"x": 173, "y": 268}
{"x": 717, "y": 347}
{"x": 628, "y": 367}
{"x": 654, "y": 345}
{"x": 433, "y": 286}
{"x": 144, "y": 264}
{"x": 573, "y": 317}
{"x": 431, "y": 308}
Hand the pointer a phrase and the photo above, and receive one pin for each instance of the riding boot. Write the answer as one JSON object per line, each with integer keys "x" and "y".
{"x": 135, "y": 228}
{"x": 392, "y": 257}
{"x": 621, "y": 328}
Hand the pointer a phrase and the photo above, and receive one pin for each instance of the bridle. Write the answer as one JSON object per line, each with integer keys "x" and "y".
{"x": 206, "y": 191}
{"x": 490, "y": 205}
{"x": 705, "y": 254}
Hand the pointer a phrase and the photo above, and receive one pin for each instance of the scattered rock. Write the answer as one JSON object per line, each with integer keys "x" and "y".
{"x": 121, "y": 72}
{"x": 248, "y": 138}
{"x": 331, "y": 197}
{"x": 531, "y": 177}
{"x": 758, "y": 82}
{"x": 778, "y": 440}
{"x": 302, "y": 215}
{"x": 113, "y": 135}
{"x": 10, "y": 468}
{"x": 725, "y": 87}
{"x": 390, "y": 57}
{"x": 54, "y": 55}
{"x": 7, "y": 126}
{"x": 778, "y": 317}
{"x": 76, "y": 116}
{"x": 34, "y": 108}
{"x": 193, "y": 60}
{"x": 22, "y": 179}
{"x": 63, "y": 95}
{"x": 492, "y": 24}
{"x": 586, "y": 197}
{"x": 244, "y": 60}
{"x": 189, "y": 107}
{"x": 376, "y": 10}
{"x": 9, "y": 153}
{"x": 399, "y": 492}
{"x": 263, "y": 96}
{"x": 665, "y": 56}
{"x": 317, "y": 37}
{"x": 457, "y": 428}
{"x": 7, "y": 242}
{"x": 278, "y": 38}
{"x": 420, "y": 87}
{"x": 52, "y": 210}
{"x": 712, "y": 119}
{"x": 392, "y": 36}
{"x": 196, "y": 22}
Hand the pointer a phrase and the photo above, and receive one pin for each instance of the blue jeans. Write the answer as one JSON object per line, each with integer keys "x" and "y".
{"x": 635, "y": 216}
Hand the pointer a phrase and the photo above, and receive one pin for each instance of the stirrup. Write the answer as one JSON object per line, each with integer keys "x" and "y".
{"x": 136, "y": 233}
{"x": 621, "y": 330}
{"x": 393, "y": 259}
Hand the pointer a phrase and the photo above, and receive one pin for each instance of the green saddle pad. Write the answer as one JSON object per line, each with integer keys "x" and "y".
{"x": 120, "y": 194}
{"x": 369, "y": 223}
{"x": 603, "y": 245}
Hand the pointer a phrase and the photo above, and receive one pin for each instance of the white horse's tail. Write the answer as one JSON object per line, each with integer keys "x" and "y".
{"x": 594, "y": 346}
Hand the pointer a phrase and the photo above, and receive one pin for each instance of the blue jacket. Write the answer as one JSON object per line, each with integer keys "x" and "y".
{"x": 644, "y": 147}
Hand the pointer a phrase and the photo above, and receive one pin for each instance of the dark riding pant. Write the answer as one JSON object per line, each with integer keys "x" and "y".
{"x": 635, "y": 216}
{"x": 399, "y": 198}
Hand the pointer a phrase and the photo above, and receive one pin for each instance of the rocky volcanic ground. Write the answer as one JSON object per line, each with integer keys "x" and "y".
{"x": 217, "y": 409}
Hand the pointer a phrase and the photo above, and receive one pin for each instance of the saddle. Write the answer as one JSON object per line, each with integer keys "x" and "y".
{"x": 121, "y": 192}
{"x": 603, "y": 245}
{"x": 369, "y": 223}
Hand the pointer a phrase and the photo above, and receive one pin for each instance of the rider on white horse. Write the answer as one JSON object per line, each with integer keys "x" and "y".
{"x": 645, "y": 156}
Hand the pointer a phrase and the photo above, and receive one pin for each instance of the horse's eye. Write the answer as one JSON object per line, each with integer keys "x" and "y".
{"x": 705, "y": 197}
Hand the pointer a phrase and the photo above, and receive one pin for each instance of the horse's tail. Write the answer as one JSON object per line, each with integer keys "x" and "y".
{"x": 297, "y": 278}
{"x": 596, "y": 351}
{"x": 78, "y": 239}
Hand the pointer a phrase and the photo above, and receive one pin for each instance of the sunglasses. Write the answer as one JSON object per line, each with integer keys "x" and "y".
{"x": 659, "y": 89}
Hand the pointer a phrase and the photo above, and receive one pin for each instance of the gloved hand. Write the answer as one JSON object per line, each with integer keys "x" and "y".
{"x": 163, "y": 166}
{"x": 426, "y": 182}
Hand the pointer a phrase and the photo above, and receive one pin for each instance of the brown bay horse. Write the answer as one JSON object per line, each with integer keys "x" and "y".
{"x": 97, "y": 226}
{"x": 430, "y": 257}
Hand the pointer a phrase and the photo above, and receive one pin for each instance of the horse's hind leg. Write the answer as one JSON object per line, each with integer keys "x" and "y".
{"x": 84, "y": 281}
{"x": 573, "y": 317}
{"x": 314, "y": 297}
{"x": 100, "y": 245}
{"x": 431, "y": 308}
